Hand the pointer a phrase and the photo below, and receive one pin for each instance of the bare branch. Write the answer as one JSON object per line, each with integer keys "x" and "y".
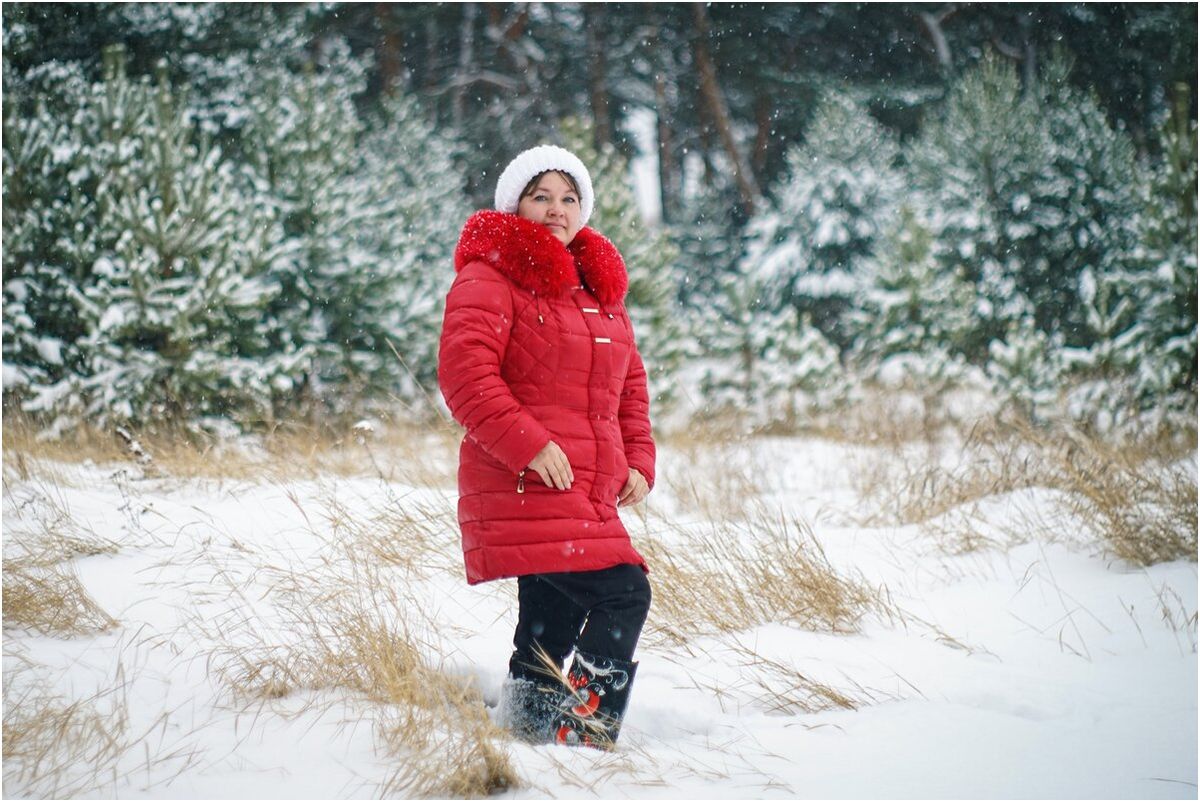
{"x": 482, "y": 77}
{"x": 932, "y": 23}
{"x": 1006, "y": 50}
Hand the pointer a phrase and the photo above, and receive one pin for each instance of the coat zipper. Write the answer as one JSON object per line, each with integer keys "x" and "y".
{"x": 521, "y": 482}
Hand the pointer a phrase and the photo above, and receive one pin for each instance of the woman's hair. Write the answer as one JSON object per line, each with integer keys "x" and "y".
{"x": 533, "y": 182}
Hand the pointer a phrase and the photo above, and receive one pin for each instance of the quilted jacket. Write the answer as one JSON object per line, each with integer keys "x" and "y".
{"x": 537, "y": 346}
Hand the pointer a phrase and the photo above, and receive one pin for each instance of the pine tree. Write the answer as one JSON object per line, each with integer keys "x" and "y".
{"x": 174, "y": 314}
{"x": 336, "y": 294}
{"x": 174, "y": 263}
{"x": 728, "y": 349}
{"x": 1089, "y": 203}
{"x": 915, "y": 318}
{"x": 838, "y": 194}
{"x": 49, "y": 221}
{"x": 1025, "y": 369}
{"x": 1164, "y": 278}
{"x": 979, "y": 168}
{"x": 416, "y": 189}
{"x": 1026, "y": 188}
{"x": 710, "y": 236}
{"x": 765, "y": 367}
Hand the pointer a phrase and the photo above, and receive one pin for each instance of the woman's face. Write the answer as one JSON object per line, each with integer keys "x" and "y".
{"x": 554, "y": 204}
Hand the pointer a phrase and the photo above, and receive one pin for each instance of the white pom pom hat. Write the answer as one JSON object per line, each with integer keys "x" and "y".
{"x": 536, "y": 161}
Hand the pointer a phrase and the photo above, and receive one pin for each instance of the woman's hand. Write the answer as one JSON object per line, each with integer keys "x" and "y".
{"x": 635, "y": 489}
{"x": 551, "y": 464}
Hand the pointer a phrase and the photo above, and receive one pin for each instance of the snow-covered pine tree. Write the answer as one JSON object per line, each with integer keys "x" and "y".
{"x": 979, "y": 167}
{"x": 1101, "y": 392}
{"x": 708, "y": 232}
{"x": 1025, "y": 369}
{"x": 337, "y": 293}
{"x": 49, "y": 222}
{"x": 173, "y": 312}
{"x": 766, "y": 367}
{"x": 1164, "y": 276}
{"x": 727, "y": 355}
{"x": 1027, "y": 187}
{"x": 710, "y": 236}
{"x": 416, "y": 188}
{"x": 837, "y": 195}
{"x": 1088, "y": 203}
{"x": 914, "y": 318}
{"x": 798, "y": 373}
{"x": 650, "y": 259}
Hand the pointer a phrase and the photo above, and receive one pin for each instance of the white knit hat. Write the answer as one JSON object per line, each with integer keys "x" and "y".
{"x": 536, "y": 161}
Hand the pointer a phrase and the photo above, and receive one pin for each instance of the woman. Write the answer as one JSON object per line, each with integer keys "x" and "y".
{"x": 538, "y": 363}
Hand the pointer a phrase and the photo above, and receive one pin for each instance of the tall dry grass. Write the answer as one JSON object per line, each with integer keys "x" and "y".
{"x": 345, "y": 623}
{"x": 42, "y": 591}
{"x": 60, "y": 748}
{"x": 735, "y": 575}
{"x": 718, "y": 483}
{"x": 776, "y": 686}
{"x": 1138, "y": 496}
{"x": 395, "y": 450}
{"x": 357, "y": 624}
{"x": 353, "y": 619}
{"x": 57, "y": 748}
{"x": 51, "y": 600}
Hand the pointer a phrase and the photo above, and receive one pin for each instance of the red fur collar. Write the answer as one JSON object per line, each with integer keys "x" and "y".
{"x": 533, "y": 259}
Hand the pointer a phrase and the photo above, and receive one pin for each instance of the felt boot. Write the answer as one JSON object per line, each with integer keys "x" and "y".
{"x": 530, "y": 709}
{"x": 592, "y": 711}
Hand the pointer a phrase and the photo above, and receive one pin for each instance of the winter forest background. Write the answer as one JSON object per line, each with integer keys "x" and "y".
{"x": 229, "y": 216}
{"x": 917, "y": 287}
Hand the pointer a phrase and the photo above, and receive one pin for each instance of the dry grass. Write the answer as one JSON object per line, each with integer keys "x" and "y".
{"x": 1177, "y": 618}
{"x": 885, "y": 417}
{"x": 779, "y": 687}
{"x": 353, "y": 624}
{"x": 55, "y": 748}
{"x": 59, "y": 748}
{"x": 398, "y": 451}
{"x": 42, "y": 591}
{"x": 1138, "y": 496}
{"x": 415, "y": 534}
{"x": 714, "y": 485}
{"x": 911, "y": 485}
{"x": 737, "y": 575}
{"x": 1141, "y": 500}
{"x": 350, "y": 617}
{"x": 50, "y": 600}
{"x": 450, "y": 746}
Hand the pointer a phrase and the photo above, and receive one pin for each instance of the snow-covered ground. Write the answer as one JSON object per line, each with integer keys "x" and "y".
{"x": 1022, "y": 662}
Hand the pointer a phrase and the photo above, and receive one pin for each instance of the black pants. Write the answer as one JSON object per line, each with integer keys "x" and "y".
{"x": 598, "y": 612}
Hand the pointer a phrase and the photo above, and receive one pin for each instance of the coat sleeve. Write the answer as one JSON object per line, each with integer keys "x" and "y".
{"x": 475, "y": 334}
{"x": 634, "y": 416}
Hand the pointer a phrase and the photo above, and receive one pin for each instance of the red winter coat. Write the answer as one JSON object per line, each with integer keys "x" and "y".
{"x": 527, "y": 356}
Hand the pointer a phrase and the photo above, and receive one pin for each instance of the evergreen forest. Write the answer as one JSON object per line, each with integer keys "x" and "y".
{"x": 228, "y": 216}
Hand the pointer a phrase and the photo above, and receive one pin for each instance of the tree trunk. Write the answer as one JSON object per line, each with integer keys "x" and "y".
{"x": 390, "y": 63}
{"x": 595, "y": 23}
{"x": 668, "y": 188}
{"x": 711, "y": 92}
{"x": 762, "y": 118}
{"x": 667, "y": 183}
{"x": 466, "y": 59}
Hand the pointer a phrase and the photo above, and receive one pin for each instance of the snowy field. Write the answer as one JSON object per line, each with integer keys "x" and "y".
{"x": 300, "y": 628}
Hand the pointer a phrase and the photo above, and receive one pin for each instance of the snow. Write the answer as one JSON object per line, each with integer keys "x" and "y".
{"x": 1031, "y": 666}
